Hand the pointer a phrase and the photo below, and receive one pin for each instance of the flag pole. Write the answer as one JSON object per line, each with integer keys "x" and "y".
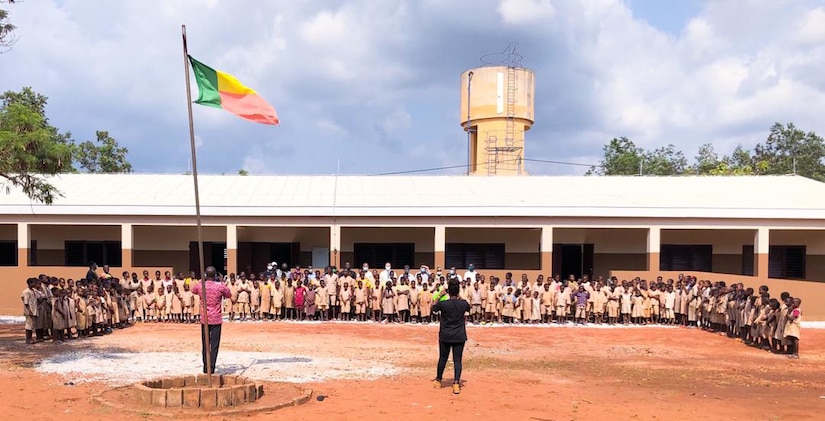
{"x": 204, "y": 322}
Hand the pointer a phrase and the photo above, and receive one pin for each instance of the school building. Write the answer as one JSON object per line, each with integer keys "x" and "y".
{"x": 757, "y": 230}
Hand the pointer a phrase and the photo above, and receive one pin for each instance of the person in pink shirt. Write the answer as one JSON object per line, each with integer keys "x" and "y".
{"x": 215, "y": 292}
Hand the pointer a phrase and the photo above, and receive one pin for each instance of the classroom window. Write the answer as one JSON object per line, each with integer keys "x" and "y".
{"x": 786, "y": 262}
{"x": 686, "y": 257}
{"x": 8, "y": 253}
{"x": 480, "y": 255}
{"x": 378, "y": 254}
{"x": 80, "y": 253}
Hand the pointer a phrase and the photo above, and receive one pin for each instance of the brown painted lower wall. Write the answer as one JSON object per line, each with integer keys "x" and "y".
{"x": 603, "y": 263}
{"x": 812, "y": 293}
{"x": 727, "y": 263}
{"x": 15, "y": 279}
{"x": 50, "y": 257}
{"x": 529, "y": 261}
{"x": 177, "y": 259}
{"x": 815, "y": 267}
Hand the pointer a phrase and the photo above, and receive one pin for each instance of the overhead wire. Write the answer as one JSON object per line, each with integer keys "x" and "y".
{"x": 451, "y": 167}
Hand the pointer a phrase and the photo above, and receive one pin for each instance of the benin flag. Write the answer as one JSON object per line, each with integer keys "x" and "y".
{"x": 222, "y": 90}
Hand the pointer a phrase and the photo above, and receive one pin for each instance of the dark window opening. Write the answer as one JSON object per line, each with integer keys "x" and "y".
{"x": 8, "y": 253}
{"x": 786, "y": 262}
{"x": 686, "y": 257}
{"x": 480, "y": 255}
{"x": 378, "y": 254}
{"x": 81, "y": 253}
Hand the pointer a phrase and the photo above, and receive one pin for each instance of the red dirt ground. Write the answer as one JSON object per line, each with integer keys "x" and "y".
{"x": 516, "y": 373}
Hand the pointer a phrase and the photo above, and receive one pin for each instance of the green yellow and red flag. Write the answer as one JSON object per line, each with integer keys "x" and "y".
{"x": 222, "y": 90}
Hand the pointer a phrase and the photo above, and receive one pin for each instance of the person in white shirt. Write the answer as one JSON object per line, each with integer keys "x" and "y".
{"x": 387, "y": 274}
{"x": 425, "y": 274}
{"x": 470, "y": 274}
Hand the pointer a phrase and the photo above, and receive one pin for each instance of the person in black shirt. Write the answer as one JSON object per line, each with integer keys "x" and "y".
{"x": 452, "y": 333}
{"x": 91, "y": 275}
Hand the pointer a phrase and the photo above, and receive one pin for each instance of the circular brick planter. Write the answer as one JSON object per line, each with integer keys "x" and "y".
{"x": 194, "y": 391}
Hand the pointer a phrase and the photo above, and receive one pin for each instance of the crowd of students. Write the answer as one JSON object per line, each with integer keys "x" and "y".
{"x": 99, "y": 303}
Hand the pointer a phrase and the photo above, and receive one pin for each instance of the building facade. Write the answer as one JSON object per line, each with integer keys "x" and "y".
{"x": 757, "y": 230}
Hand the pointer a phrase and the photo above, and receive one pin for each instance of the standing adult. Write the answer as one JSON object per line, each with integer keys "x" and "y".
{"x": 215, "y": 292}
{"x": 452, "y": 333}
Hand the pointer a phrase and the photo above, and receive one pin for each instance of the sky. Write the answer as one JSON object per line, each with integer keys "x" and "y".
{"x": 372, "y": 86}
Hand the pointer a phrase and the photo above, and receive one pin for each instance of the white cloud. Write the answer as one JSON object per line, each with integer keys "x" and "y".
{"x": 811, "y": 29}
{"x": 525, "y": 11}
{"x": 383, "y": 75}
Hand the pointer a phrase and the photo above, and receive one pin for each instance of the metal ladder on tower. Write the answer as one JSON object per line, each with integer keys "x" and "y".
{"x": 510, "y": 130}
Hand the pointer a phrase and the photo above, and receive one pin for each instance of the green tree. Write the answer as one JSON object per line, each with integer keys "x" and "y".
{"x": 243, "y": 172}
{"x": 6, "y": 29}
{"x": 664, "y": 161}
{"x": 107, "y": 156}
{"x": 30, "y": 149}
{"x": 707, "y": 160}
{"x": 790, "y": 150}
{"x": 621, "y": 157}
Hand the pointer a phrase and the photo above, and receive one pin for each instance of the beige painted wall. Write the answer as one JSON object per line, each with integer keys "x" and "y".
{"x": 309, "y": 237}
{"x": 424, "y": 238}
{"x": 605, "y": 241}
{"x": 516, "y": 240}
{"x": 813, "y": 240}
{"x": 154, "y": 237}
{"x": 53, "y": 237}
{"x": 723, "y": 241}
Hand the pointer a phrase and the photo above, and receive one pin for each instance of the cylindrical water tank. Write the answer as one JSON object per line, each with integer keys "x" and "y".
{"x": 490, "y": 95}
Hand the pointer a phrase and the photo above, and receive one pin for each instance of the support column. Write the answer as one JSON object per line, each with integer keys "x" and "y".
{"x": 440, "y": 246}
{"x": 547, "y": 251}
{"x": 23, "y": 242}
{"x": 126, "y": 247}
{"x": 654, "y": 238}
{"x": 231, "y": 249}
{"x": 761, "y": 249}
{"x": 335, "y": 246}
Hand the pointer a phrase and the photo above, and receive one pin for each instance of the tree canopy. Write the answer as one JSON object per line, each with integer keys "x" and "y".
{"x": 108, "y": 157}
{"x": 31, "y": 148}
{"x": 786, "y": 150}
{"x": 6, "y": 29}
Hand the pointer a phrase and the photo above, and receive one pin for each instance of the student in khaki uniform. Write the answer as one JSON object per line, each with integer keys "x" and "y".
{"x": 345, "y": 299}
{"x": 277, "y": 301}
{"x": 187, "y": 299}
{"x": 322, "y": 299}
{"x": 266, "y": 300}
{"x": 59, "y": 315}
{"x": 160, "y": 304}
{"x": 255, "y": 301}
{"x": 289, "y": 300}
{"x": 30, "y": 309}
{"x": 360, "y": 301}
{"x": 80, "y": 308}
{"x": 792, "y": 327}
{"x": 375, "y": 303}
{"x": 414, "y": 301}
{"x": 425, "y": 302}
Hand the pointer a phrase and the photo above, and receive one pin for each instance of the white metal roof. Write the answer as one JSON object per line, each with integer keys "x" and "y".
{"x": 790, "y": 197}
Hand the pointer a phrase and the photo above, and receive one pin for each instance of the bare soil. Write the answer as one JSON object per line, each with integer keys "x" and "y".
{"x": 509, "y": 373}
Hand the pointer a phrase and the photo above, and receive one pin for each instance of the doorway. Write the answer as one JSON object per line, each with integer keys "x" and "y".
{"x": 573, "y": 259}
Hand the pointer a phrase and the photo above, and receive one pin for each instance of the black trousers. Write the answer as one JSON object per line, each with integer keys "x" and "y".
{"x": 444, "y": 349}
{"x": 213, "y": 344}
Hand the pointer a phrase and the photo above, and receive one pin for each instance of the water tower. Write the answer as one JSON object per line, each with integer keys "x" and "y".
{"x": 497, "y": 108}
